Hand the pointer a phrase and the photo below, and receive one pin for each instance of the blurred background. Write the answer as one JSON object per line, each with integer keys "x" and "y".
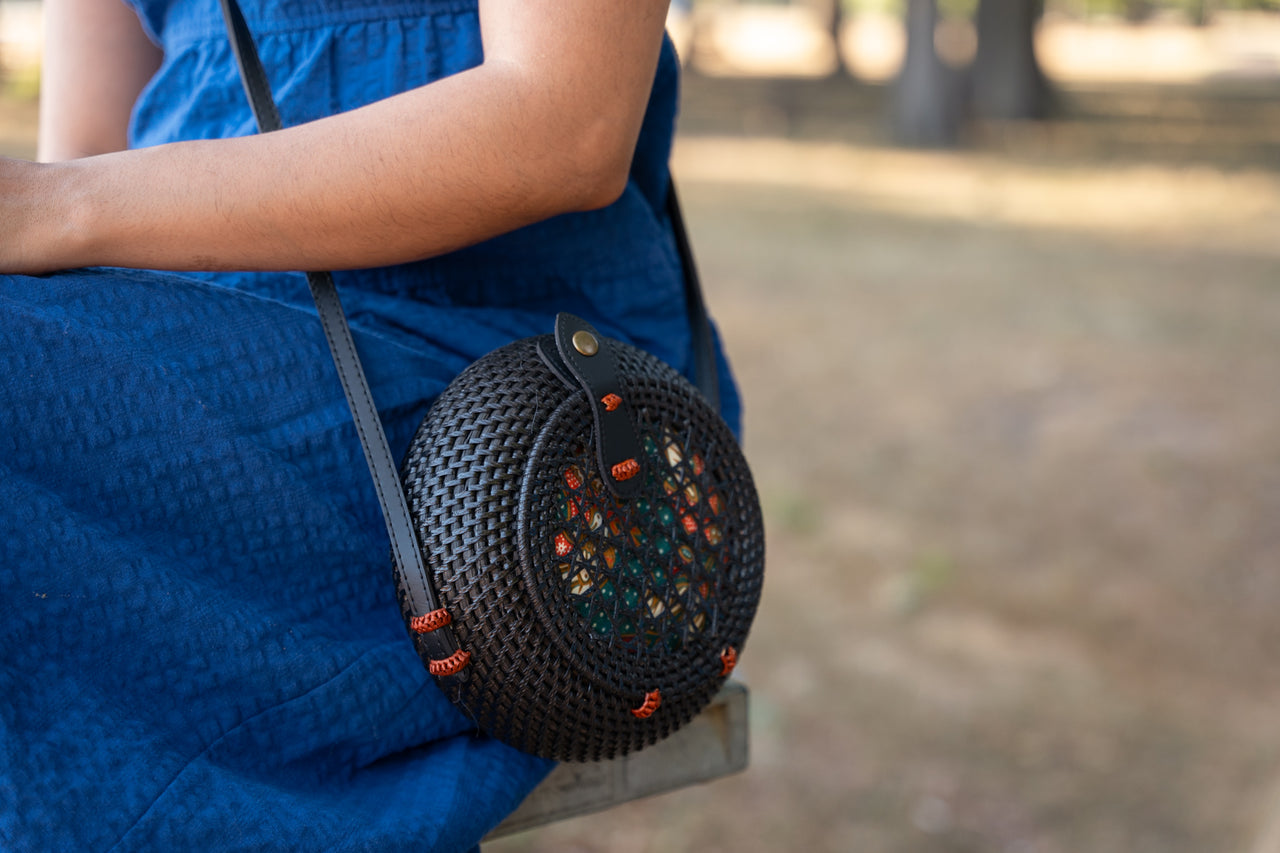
{"x": 1001, "y": 282}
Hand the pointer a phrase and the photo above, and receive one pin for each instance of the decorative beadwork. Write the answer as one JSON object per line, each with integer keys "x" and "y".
{"x": 728, "y": 660}
{"x": 450, "y": 665}
{"x": 428, "y": 622}
{"x": 625, "y": 470}
{"x": 652, "y": 701}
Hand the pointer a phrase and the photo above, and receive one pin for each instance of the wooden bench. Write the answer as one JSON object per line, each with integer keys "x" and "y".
{"x": 712, "y": 745}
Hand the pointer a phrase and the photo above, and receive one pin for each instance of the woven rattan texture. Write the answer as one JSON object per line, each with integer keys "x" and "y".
{"x": 574, "y": 605}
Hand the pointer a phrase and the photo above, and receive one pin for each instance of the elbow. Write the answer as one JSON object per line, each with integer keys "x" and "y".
{"x": 604, "y": 187}
{"x": 599, "y": 168}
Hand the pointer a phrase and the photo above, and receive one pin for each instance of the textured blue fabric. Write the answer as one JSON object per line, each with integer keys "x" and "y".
{"x": 201, "y": 644}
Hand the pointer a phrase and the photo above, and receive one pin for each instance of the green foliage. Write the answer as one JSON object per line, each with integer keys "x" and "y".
{"x": 798, "y": 514}
{"x": 931, "y": 571}
{"x": 22, "y": 82}
{"x": 957, "y": 8}
{"x": 909, "y": 591}
{"x": 881, "y": 7}
{"x": 1137, "y": 9}
{"x": 1117, "y": 8}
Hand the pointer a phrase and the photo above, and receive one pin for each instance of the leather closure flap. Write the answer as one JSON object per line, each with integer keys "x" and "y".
{"x": 588, "y": 355}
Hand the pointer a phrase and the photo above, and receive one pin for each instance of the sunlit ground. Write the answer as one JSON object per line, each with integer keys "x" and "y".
{"x": 1013, "y": 415}
{"x": 727, "y": 39}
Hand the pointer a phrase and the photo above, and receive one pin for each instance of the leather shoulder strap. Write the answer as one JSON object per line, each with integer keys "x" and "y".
{"x": 706, "y": 373}
{"x": 405, "y": 549}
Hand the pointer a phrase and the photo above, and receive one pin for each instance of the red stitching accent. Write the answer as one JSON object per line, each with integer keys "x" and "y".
{"x": 651, "y": 702}
{"x": 428, "y": 622}
{"x": 449, "y": 665}
{"x": 728, "y": 660}
{"x": 626, "y": 469}
{"x": 611, "y": 402}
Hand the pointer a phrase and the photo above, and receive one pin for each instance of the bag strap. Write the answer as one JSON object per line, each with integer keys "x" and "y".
{"x": 706, "y": 373}
{"x": 705, "y": 369}
{"x": 441, "y": 645}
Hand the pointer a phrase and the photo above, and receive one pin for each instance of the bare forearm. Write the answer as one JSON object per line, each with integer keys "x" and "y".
{"x": 546, "y": 125}
{"x": 429, "y": 171}
{"x": 96, "y": 60}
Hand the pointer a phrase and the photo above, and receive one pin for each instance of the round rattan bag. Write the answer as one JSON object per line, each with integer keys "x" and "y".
{"x": 593, "y": 532}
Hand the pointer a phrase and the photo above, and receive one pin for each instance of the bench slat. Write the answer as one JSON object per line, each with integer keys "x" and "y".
{"x": 712, "y": 745}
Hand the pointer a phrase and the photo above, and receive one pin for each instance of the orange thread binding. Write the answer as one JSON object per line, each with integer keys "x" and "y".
{"x": 728, "y": 660}
{"x": 428, "y": 622}
{"x": 626, "y": 469}
{"x": 651, "y": 703}
{"x": 449, "y": 665}
{"x": 611, "y": 402}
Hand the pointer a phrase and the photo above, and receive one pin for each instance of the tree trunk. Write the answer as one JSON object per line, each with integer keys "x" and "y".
{"x": 1007, "y": 80}
{"x": 926, "y": 106}
{"x": 1198, "y": 12}
{"x": 1137, "y": 11}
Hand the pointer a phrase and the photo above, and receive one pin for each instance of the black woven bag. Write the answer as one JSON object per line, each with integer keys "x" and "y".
{"x": 578, "y": 545}
{"x": 597, "y": 615}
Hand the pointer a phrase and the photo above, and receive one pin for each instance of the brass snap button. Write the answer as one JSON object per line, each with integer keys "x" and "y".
{"x": 585, "y": 342}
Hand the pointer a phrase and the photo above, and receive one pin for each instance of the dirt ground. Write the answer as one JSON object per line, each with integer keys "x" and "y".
{"x": 1013, "y": 414}
{"x": 1014, "y": 419}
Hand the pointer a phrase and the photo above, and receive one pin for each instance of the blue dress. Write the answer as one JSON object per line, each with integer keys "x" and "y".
{"x": 201, "y": 644}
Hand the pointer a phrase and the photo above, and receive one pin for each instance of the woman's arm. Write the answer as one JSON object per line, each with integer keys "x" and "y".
{"x": 97, "y": 59}
{"x": 548, "y": 124}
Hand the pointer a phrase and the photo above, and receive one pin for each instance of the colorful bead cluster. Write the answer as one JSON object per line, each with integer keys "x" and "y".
{"x": 646, "y": 570}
